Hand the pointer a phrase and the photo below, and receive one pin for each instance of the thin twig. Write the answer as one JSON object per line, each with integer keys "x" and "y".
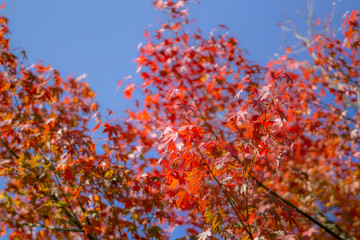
{"x": 114, "y": 213}
{"x": 341, "y": 234}
{"x": 226, "y": 195}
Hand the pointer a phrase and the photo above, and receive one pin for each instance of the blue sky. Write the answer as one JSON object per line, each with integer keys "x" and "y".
{"x": 99, "y": 38}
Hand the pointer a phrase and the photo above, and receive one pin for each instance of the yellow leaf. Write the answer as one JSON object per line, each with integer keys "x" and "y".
{"x": 203, "y": 78}
{"x": 174, "y": 184}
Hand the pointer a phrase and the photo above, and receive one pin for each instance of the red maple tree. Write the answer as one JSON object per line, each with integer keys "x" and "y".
{"x": 246, "y": 151}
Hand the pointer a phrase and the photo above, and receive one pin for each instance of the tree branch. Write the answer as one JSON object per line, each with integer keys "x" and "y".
{"x": 227, "y": 196}
{"x": 9, "y": 149}
{"x": 327, "y": 225}
{"x": 40, "y": 225}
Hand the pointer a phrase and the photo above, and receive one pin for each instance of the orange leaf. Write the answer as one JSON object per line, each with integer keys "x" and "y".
{"x": 174, "y": 184}
{"x": 128, "y": 91}
{"x": 183, "y": 198}
{"x": 97, "y": 126}
{"x": 93, "y": 147}
{"x": 75, "y": 194}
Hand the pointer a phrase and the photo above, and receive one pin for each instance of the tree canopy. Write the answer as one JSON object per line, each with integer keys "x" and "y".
{"x": 219, "y": 144}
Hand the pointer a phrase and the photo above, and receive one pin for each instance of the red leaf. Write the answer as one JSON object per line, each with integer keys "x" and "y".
{"x": 110, "y": 112}
{"x": 223, "y": 26}
{"x": 68, "y": 175}
{"x": 264, "y": 92}
{"x": 290, "y": 77}
{"x": 93, "y": 147}
{"x": 239, "y": 115}
{"x": 318, "y": 22}
{"x": 186, "y": 108}
{"x": 145, "y": 75}
{"x": 110, "y": 130}
{"x": 233, "y": 151}
{"x": 310, "y": 232}
{"x": 129, "y": 90}
{"x": 119, "y": 84}
{"x": 96, "y": 127}
{"x": 183, "y": 198}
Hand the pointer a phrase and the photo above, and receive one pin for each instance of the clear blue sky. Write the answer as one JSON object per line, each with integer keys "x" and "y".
{"x": 99, "y": 38}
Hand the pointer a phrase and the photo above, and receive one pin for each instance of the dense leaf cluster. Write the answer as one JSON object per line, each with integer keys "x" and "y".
{"x": 246, "y": 151}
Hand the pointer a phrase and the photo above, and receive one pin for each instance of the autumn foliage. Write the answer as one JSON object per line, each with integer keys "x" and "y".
{"x": 224, "y": 146}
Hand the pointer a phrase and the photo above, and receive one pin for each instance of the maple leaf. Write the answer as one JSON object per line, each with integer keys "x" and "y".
{"x": 204, "y": 235}
{"x": 129, "y": 90}
{"x": 183, "y": 198}
{"x": 110, "y": 112}
{"x": 220, "y": 162}
{"x": 290, "y": 77}
{"x": 169, "y": 134}
{"x": 238, "y": 94}
{"x": 279, "y": 122}
{"x": 186, "y": 128}
{"x": 243, "y": 189}
{"x": 110, "y": 129}
{"x": 223, "y": 26}
{"x": 186, "y": 108}
{"x": 172, "y": 92}
{"x": 145, "y": 75}
{"x": 179, "y": 4}
{"x": 63, "y": 162}
{"x": 310, "y": 232}
{"x": 259, "y": 104}
{"x": 200, "y": 70}
{"x": 233, "y": 151}
{"x": 68, "y": 175}
{"x": 281, "y": 113}
{"x": 96, "y": 127}
{"x": 287, "y": 237}
{"x": 239, "y": 115}
{"x": 119, "y": 84}
{"x": 264, "y": 92}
